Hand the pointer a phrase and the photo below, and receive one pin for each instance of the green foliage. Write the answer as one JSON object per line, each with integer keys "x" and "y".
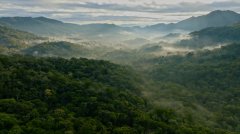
{"x": 54, "y": 95}
{"x": 202, "y": 86}
{"x": 57, "y": 49}
{"x": 216, "y": 69}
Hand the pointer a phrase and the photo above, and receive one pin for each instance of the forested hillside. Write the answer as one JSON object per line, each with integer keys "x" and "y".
{"x": 216, "y": 67}
{"x": 54, "y": 95}
{"x": 57, "y": 49}
{"x": 11, "y": 38}
{"x": 213, "y": 36}
{"x": 220, "y": 34}
{"x": 203, "y": 84}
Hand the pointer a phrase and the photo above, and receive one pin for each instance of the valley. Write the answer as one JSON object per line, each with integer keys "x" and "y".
{"x": 177, "y": 78}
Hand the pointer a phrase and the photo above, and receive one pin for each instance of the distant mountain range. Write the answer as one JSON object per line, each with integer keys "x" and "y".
{"x": 39, "y": 25}
{"x": 46, "y": 26}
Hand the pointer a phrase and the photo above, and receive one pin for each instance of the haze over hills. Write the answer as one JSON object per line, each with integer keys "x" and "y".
{"x": 46, "y": 26}
{"x": 213, "y": 36}
{"x": 50, "y": 27}
{"x": 220, "y": 34}
{"x": 11, "y": 38}
{"x": 39, "y": 25}
{"x": 213, "y": 19}
{"x": 127, "y": 36}
{"x": 64, "y": 78}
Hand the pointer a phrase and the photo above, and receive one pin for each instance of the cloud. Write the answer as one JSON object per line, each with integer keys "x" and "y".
{"x": 113, "y": 11}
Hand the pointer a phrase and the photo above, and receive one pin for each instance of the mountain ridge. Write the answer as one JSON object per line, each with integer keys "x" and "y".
{"x": 215, "y": 18}
{"x": 213, "y": 36}
{"x": 46, "y": 26}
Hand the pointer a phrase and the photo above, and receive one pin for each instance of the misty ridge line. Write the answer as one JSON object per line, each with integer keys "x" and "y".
{"x": 124, "y": 25}
{"x": 167, "y": 36}
{"x": 42, "y": 25}
{"x": 143, "y": 12}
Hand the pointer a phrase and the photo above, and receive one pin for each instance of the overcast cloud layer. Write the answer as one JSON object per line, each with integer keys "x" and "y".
{"x": 140, "y": 12}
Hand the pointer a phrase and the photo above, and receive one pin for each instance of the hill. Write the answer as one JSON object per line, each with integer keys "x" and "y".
{"x": 12, "y": 38}
{"x": 54, "y": 95}
{"x": 218, "y": 58}
{"x": 220, "y": 34}
{"x": 57, "y": 49}
{"x": 47, "y": 26}
{"x": 213, "y": 19}
{"x": 39, "y": 25}
{"x": 213, "y": 36}
{"x": 204, "y": 84}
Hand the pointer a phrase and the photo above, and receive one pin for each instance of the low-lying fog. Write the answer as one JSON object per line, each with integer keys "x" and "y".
{"x": 128, "y": 48}
{"x": 167, "y": 42}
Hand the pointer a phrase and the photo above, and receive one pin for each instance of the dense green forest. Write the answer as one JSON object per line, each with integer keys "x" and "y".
{"x": 55, "y": 95}
{"x": 203, "y": 84}
{"x": 216, "y": 67}
{"x": 190, "y": 86}
{"x": 193, "y": 93}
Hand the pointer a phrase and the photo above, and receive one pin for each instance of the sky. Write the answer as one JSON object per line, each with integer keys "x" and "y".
{"x": 121, "y": 12}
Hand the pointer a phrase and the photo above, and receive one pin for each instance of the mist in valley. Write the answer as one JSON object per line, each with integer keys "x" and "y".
{"x": 120, "y": 67}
